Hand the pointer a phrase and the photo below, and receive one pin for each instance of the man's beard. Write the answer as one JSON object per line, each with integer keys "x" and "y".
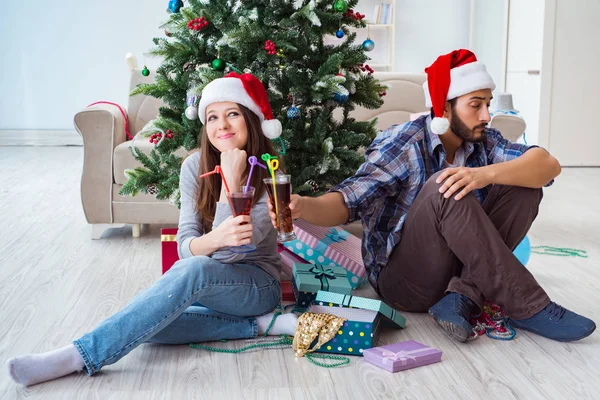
{"x": 462, "y": 131}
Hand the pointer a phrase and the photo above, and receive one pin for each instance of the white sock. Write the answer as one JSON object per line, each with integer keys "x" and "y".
{"x": 35, "y": 368}
{"x": 285, "y": 324}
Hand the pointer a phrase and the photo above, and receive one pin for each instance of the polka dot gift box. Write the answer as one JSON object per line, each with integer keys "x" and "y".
{"x": 364, "y": 316}
{"x": 356, "y": 335}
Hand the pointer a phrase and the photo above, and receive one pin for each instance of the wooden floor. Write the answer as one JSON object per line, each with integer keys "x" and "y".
{"x": 56, "y": 284}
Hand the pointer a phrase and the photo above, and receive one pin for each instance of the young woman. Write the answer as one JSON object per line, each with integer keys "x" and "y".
{"x": 211, "y": 293}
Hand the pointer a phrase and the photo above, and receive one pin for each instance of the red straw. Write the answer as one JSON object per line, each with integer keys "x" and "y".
{"x": 220, "y": 171}
{"x": 209, "y": 173}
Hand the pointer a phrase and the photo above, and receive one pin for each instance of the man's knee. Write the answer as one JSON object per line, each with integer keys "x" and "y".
{"x": 431, "y": 187}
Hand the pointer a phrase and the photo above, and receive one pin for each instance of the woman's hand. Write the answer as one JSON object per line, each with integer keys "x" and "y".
{"x": 234, "y": 231}
{"x": 233, "y": 165}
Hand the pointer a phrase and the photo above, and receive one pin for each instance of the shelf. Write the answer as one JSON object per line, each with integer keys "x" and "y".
{"x": 379, "y": 65}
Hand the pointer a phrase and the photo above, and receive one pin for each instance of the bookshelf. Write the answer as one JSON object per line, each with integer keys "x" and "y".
{"x": 381, "y": 28}
{"x": 384, "y": 35}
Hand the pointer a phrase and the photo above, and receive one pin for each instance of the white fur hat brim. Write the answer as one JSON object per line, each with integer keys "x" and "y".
{"x": 226, "y": 89}
{"x": 463, "y": 80}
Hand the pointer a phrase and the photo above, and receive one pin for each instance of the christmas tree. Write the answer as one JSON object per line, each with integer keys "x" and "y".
{"x": 283, "y": 43}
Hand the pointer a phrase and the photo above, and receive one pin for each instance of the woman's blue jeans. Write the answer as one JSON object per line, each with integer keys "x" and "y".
{"x": 198, "y": 300}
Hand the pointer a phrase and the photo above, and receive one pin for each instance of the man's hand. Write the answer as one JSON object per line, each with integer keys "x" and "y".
{"x": 467, "y": 179}
{"x": 296, "y": 203}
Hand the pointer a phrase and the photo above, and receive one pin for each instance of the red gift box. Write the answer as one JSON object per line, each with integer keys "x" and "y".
{"x": 169, "y": 248}
{"x": 287, "y": 292}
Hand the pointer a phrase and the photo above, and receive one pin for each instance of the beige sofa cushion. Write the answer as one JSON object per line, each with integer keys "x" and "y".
{"x": 141, "y": 108}
{"x": 404, "y": 97}
{"x": 123, "y": 159}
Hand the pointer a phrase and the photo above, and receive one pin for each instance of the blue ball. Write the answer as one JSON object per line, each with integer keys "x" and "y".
{"x": 340, "y": 98}
{"x": 368, "y": 45}
{"x": 339, "y": 34}
{"x": 293, "y": 113}
{"x": 523, "y": 251}
{"x": 175, "y": 5}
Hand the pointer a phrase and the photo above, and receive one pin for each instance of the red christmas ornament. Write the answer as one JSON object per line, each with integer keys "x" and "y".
{"x": 197, "y": 24}
{"x": 270, "y": 48}
{"x": 155, "y": 137}
{"x": 351, "y": 14}
{"x": 366, "y": 68}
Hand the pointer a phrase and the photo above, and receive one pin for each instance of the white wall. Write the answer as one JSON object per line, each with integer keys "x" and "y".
{"x": 570, "y": 82}
{"x": 489, "y": 37}
{"x": 57, "y": 58}
{"x": 428, "y": 28}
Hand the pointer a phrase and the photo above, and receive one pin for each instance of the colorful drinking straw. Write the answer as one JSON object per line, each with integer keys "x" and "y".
{"x": 219, "y": 171}
{"x": 252, "y": 161}
{"x": 273, "y": 164}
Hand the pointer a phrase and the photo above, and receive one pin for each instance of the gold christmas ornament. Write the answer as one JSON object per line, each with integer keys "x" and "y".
{"x": 311, "y": 325}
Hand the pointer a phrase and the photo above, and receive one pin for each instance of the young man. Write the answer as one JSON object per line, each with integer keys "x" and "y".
{"x": 444, "y": 201}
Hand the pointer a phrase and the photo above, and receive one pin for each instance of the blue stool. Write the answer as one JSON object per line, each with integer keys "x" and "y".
{"x": 523, "y": 251}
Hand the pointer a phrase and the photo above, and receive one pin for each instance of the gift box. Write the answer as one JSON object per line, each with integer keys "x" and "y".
{"x": 288, "y": 259}
{"x": 404, "y": 355}
{"x": 309, "y": 255}
{"x": 358, "y": 333}
{"x": 287, "y": 291}
{"x": 336, "y": 245}
{"x": 308, "y": 279}
{"x": 364, "y": 318}
{"x": 169, "y": 248}
{"x": 324, "y": 298}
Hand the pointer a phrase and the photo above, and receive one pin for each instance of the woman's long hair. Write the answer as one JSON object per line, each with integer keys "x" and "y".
{"x": 209, "y": 188}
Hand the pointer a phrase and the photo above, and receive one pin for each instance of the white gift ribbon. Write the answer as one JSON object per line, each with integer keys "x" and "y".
{"x": 389, "y": 357}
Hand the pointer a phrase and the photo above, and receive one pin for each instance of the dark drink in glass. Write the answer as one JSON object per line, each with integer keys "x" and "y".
{"x": 283, "y": 191}
{"x": 241, "y": 204}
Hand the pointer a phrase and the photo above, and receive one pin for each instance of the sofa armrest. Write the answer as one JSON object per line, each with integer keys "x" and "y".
{"x": 102, "y": 128}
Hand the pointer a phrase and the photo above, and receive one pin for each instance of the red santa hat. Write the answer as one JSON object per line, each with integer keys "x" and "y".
{"x": 244, "y": 89}
{"x": 450, "y": 76}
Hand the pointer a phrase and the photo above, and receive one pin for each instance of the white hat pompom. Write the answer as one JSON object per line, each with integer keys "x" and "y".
{"x": 439, "y": 126}
{"x": 272, "y": 128}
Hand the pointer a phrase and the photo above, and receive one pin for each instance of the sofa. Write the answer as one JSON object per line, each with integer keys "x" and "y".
{"x": 107, "y": 151}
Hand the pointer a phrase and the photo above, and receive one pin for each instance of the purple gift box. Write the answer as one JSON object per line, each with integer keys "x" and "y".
{"x": 404, "y": 355}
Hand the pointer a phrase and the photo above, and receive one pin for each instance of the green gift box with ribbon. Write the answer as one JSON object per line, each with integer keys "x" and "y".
{"x": 308, "y": 279}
